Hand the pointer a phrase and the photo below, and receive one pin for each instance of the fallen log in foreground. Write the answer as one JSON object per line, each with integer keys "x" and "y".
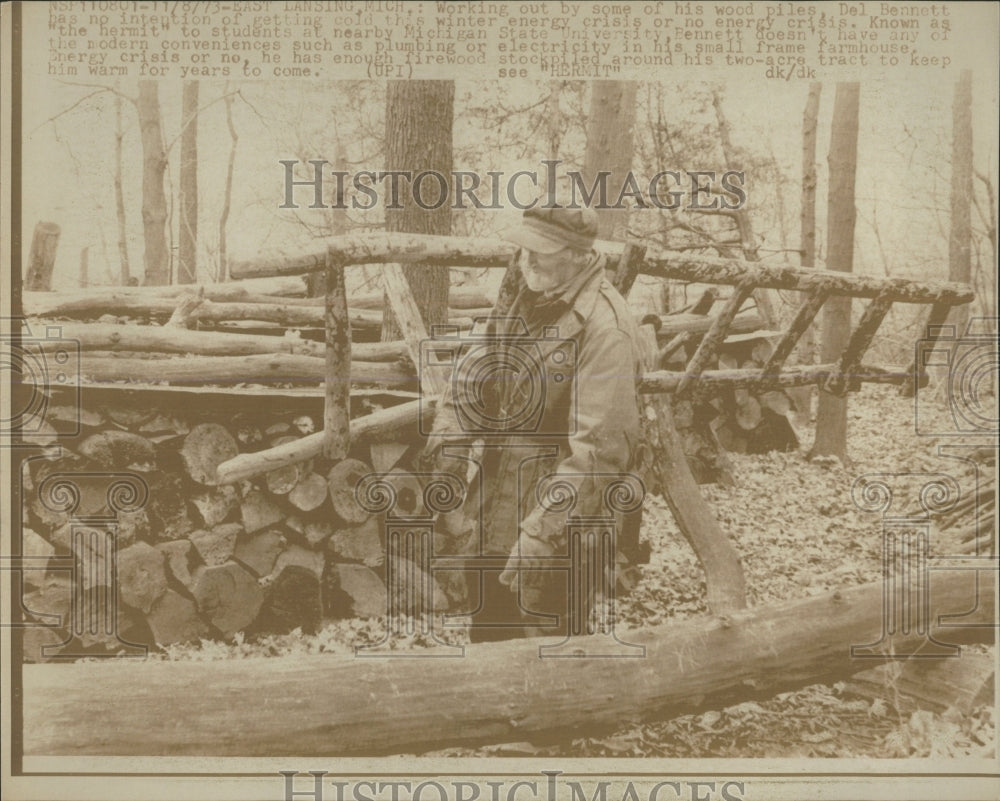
{"x": 503, "y": 692}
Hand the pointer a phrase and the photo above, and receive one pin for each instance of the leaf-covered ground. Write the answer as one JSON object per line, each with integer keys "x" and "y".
{"x": 798, "y": 533}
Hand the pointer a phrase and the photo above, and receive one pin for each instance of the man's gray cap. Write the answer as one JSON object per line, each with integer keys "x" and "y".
{"x": 549, "y": 230}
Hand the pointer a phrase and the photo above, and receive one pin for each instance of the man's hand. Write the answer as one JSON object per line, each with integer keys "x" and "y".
{"x": 528, "y": 552}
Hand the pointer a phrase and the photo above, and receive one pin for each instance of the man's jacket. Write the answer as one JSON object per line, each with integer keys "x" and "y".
{"x": 550, "y": 389}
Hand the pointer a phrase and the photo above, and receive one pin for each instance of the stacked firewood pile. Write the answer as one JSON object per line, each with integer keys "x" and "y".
{"x": 199, "y": 559}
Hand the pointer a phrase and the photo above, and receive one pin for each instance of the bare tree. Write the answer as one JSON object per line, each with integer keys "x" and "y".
{"x": 960, "y": 236}
{"x": 187, "y": 265}
{"x": 227, "y": 195}
{"x": 154, "y": 201}
{"x": 125, "y": 273}
{"x": 831, "y": 415}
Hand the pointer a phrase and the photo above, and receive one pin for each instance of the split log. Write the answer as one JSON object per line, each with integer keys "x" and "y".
{"x": 167, "y": 507}
{"x": 298, "y": 557}
{"x": 52, "y": 602}
{"x": 205, "y": 448}
{"x": 130, "y": 417}
{"x": 262, "y": 368}
{"x": 285, "y": 479}
{"x": 390, "y": 706}
{"x": 258, "y": 511}
{"x": 259, "y": 552}
{"x": 342, "y": 481}
{"x": 354, "y": 591}
{"x": 453, "y": 251}
{"x": 120, "y": 450}
{"x": 42, "y": 257}
{"x": 175, "y": 619}
{"x": 361, "y": 543}
{"x": 386, "y": 455}
{"x": 228, "y": 596}
{"x": 35, "y": 549}
{"x": 215, "y": 546}
{"x": 131, "y": 526}
{"x": 293, "y": 602}
{"x": 93, "y": 635}
{"x": 142, "y": 577}
{"x": 309, "y": 493}
{"x": 215, "y": 505}
{"x": 160, "y": 339}
{"x": 315, "y": 532}
{"x": 178, "y": 555}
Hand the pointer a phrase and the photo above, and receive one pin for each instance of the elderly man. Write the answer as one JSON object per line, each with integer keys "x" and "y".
{"x": 557, "y": 410}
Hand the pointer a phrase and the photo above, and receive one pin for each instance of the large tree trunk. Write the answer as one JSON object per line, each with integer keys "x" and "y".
{"x": 156, "y": 257}
{"x": 418, "y": 137}
{"x": 831, "y": 415}
{"x": 960, "y": 237}
{"x": 187, "y": 265}
{"x": 610, "y": 125}
{"x": 502, "y": 692}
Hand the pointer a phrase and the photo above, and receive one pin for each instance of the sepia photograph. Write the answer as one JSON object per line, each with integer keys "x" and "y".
{"x": 552, "y": 401}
